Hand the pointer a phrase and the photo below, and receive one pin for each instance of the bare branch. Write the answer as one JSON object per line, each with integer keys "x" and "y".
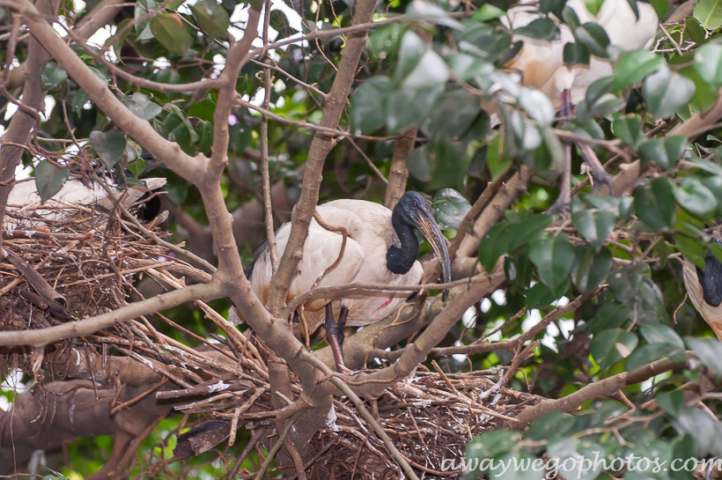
{"x": 398, "y": 174}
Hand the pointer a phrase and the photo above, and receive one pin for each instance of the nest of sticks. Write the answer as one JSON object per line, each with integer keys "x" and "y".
{"x": 87, "y": 262}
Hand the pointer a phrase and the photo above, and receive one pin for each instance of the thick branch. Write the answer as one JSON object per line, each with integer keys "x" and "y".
{"x": 608, "y": 386}
{"x": 79, "y": 328}
{"x": 398, "y": 174}
{"x": 320, "y": 148}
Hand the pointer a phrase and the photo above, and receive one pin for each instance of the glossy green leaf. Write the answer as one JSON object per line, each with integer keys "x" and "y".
{"x": 491, "y": 444}
{"x": 552, "y": 255}
{"x": 629, "y": 130}
{"x": 505, "y": 237}
{"x": 708, "y": 62}
{"x": 449, "y": 208}
{"x": 691, "y": 248}
{"x": 610, "y": 346}
{"x": 590, "y": 269}
{"x": 80, "y": 99}
{"x": 214, "y": 21}
{"x": 593, "y": 36}
{"x": 49, "y": 179}
{"x": 411, "y": 50}
{"x": 205, "y": 136}
{"x": 575, "y": 53}
{"x": 430, "y": 12}
{"x": 539, "y": 29}
{"x": 634, "y": 66}
{"x": 51, "y": 75}
{"x": 694, "y": 197}
{"x": 595, "y": 225}
{"x": 655, "y": 204}
{"x": 663, "y": 151}
{"x": 666, "y": 92}
{"x": 486, "y": 12}
{"x": 137, "y": 167}
{"x": 552, "y": 6}
{"x": 709, "y": 13}
{"x": 141, "y": 105}
{"x": 709, "y": 352}
{"x": 367, "y": 110}
{"x": 562, "y": 451}
{"x": 658, "y": 333}
{"x": 109, "y": 146}
{"x": 168, "y": 29}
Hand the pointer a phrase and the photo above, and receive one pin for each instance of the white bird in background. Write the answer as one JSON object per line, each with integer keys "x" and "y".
{"x": 541, "y": 65}
{"x": 381, "y": 249}
{"x": 24, "y": 198}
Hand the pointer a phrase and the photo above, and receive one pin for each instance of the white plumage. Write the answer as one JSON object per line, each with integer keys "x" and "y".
{"x": 24, "y": 197}
{"x": 364, "y": 261}
{"x": 541, "y": 63}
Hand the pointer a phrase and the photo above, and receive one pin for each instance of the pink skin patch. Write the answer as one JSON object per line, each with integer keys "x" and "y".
{"x": 385, "y": 304}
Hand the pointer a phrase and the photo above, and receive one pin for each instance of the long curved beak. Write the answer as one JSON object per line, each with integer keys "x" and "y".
{"x": 430, "y": 230}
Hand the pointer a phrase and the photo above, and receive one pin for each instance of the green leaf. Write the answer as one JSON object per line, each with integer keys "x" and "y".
{"x": 492, "y": 444}
{"x": 593, "y": 36}
{"x": 449, "y": 208}
{"x": 595, "y": 225}
{"x": 694, "y": 197}
{"x": 666, "y": 92}
{"x": 411, "y": 103}
{"x": 411, "y": 50}
{"x": 648, "y": 354}
{"x": 537, "y": 105}
{"x": 658, "y": 333}
{"x": 137, "y": 167}
{"x": 629, "y": 130}
{"x": 214, "y": 21}
{"x": 590, "y": 268}
{"x": 708, "y": 62}
{"x": 539, "y": 29}
{"x": 203, "y": 109}
{"x": 51, "y": 75}
{"x": 385, "y": 41}
{"x": 454, "y": 114}
{"x": 709, "y": 352}
{"x": 634, "y": 66}
{"x": 204, "y": 130}
{"x": 430, "y": 12}
{"x": 709, "y": 13}
{"x": 551, "y": 256}
{"x": 505, "y": 237}
{"x": 551, "y": 426}
{"x": 655, "y": 204}
{"x": 79, "y": 100}
{"x": 574, "y": 449}
{"x": 109, "y": 146}
{"x": 695, "y": 31}
{"x": 593, "y": 6}
{"x": 552, "y": 6}
{"x": 367, "y": 111}
{"x": 691, "y": 248}
{"x": 49, "y": 179}
{"x": 575, "y": 53}
{"x": 570, "y": 17}
{"x": 599, "y": 88}
{"x": 168, "y": 29}
{"x": 487, "y": 12}
{"x": 610, "y": 346}
{"x": 663, "y": 151}
{"x": 141, "y": 105}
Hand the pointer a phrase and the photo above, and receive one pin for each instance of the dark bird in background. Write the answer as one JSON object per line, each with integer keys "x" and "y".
{"x": 381, "y": 249}
{"x": 704, "y": 288}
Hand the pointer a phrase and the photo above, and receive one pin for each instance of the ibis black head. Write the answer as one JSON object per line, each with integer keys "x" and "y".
{"x": 414, "y": 211}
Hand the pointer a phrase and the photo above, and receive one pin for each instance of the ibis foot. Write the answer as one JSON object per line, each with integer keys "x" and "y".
{"x": 335, "y": 335}
{"x": 564, "y": 201}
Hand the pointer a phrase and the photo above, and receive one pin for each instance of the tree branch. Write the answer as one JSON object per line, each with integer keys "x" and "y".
{"x": 320, "y": 148}
{"x": 80, "y": 328}
{"x": 608, "y": 386}
{"x": 398, "y": 173}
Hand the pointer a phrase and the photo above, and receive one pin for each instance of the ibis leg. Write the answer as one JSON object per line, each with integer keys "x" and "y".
{"x": 334, "y": 335}
{"x": 563, "y": 202}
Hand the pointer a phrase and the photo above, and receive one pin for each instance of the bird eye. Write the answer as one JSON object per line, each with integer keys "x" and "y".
{"x": 416, "y": 204}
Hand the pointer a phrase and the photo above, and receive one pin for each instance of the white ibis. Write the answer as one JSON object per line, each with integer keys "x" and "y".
{"x": 24, "y": 197}
{"x": 541, "y": 65}
{"x": 381, "y": 249}
{"x": 704, "y": 288}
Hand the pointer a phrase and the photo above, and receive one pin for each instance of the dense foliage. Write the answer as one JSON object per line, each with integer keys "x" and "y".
{"x": 435, "y": 75}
